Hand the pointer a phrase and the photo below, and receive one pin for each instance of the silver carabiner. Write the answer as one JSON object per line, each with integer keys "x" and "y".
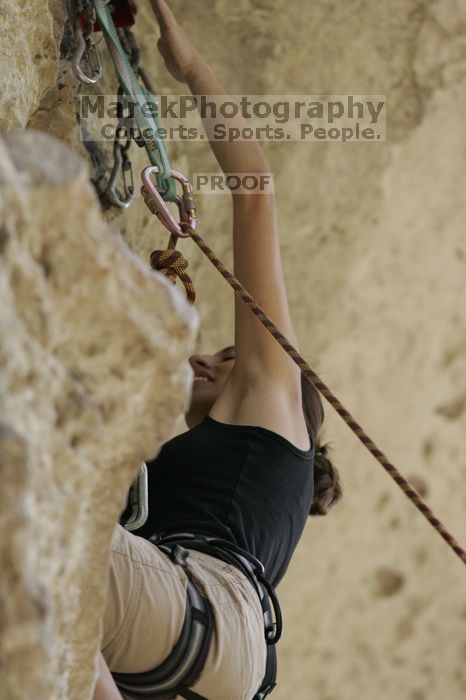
{"x": 138, "y": 500}
{"x": 86, "y": 51}
{"x": 121, "y": 163}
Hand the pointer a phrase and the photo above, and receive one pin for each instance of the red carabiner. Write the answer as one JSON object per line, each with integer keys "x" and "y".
{"x": 155, "y": 202}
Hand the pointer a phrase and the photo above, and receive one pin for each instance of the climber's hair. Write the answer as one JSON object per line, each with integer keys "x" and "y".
{"x": 327, "y": 486}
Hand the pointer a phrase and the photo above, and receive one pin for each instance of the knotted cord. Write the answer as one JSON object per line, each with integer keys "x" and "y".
{"x": 173, "y": 264}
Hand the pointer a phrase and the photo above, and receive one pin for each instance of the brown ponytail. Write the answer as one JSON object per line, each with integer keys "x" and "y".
{"x": 327, "y": 486}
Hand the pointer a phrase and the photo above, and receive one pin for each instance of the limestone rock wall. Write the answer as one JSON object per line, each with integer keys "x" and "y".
{"x": 93, "y": 377}
{"x": 374, "y": 254}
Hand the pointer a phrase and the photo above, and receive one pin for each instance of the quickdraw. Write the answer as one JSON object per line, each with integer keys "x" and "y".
{"x": 148, "y": 123}
{"x": 88, "y": 16}
{"x": 121, "y": 163}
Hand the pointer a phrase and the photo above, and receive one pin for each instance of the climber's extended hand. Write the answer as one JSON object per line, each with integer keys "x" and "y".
{"x": 179, "y": 54}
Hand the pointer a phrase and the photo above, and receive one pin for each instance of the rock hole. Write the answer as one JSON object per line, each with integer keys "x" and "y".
{"x": 453, "y": 409}
{"x": 394, "y": 523}
{"x": 421, "y": 555}
{"x": 117, "y": 372}
{"x": 382, "y": 501}
{"x": 387, "y": 582}
{"x": 3, "y": 238}
{"x": 417, "y": 694}
{"x": 75, "y": 441}
{"x": 404, "y": 629}
{"x": 428, "y": 448}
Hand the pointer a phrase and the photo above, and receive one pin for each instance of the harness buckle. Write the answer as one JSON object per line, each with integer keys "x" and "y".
{"x": 266, "y": 691}
{"x": 180, "y": 555}
{"x": 138, "y": 500}
{"x": 154, "y": 200}
{"x": 86, "y": 52}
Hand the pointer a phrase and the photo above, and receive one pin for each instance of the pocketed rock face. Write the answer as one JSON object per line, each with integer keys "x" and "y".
{"x": 93, "y": 374}
{"x": 29, "y": 62}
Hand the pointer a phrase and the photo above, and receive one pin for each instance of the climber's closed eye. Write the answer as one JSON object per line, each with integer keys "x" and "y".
{"x": 227, "y": 354}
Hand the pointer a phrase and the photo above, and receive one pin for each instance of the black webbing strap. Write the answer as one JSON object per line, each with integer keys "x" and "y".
{"x": 189, "y": 694}
{"x": 192, "y": 676}
{"x": 164, "y": 682}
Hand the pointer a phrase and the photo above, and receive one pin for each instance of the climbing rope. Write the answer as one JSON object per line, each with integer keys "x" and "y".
{"x": 187, "y": 230}
{"x": 171, "y": 262}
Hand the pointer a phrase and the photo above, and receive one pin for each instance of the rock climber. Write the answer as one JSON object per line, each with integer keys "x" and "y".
{"x": 249, "y": 470}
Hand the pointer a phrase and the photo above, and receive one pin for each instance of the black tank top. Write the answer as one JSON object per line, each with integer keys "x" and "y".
{"x": 245, "y": 484}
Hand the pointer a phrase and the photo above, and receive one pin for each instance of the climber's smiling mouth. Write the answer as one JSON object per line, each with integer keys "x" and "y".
{"x": 199, "y": 381}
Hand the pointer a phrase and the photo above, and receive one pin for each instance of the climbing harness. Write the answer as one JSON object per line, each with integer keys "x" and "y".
{"x": 174, "y": 677}
{"x": 309, "y": 373}
{"x": 185, "y": 663}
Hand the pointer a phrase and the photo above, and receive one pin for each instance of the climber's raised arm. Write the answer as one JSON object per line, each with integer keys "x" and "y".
{"x": 257, "y": 260}
{"x": 187, "y": 65}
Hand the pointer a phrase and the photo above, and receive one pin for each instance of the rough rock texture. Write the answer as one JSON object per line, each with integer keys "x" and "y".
{"x": 93, "y": 376}
{"x": 375, "y": 258}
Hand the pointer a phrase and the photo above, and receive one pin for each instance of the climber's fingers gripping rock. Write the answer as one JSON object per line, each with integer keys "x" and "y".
{"x": 177, "y": 50}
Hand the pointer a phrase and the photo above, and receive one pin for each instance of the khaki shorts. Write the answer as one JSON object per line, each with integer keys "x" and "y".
{"x": 145, "y": 611}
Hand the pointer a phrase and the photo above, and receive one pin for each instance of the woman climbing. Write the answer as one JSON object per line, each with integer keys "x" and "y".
{"x": 235, "y": 488}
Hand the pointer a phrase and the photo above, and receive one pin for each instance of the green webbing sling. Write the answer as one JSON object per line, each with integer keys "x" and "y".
{"x": 148, "y": 124}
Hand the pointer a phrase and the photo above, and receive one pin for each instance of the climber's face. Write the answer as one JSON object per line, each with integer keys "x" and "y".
{"x": 210, "y": 375}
